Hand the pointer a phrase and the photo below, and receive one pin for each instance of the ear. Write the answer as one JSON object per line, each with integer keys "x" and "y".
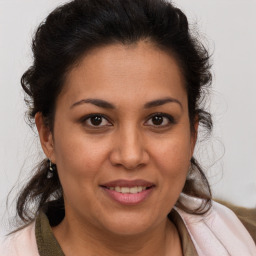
{"x": 46, "y": 137}
{"x": 194, "y": 134}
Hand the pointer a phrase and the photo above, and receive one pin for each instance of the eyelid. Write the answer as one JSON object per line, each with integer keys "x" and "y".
{"x": 165, "y": 115}
{"x": 85, "y": 118}
{"x": 169, "y": 117}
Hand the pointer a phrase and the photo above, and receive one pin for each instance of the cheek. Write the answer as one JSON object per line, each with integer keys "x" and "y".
{"x": 174, "y": 153}
{"x": 79, "y": 162}
{"x": 172, "y": 158}
{"x": 174, "y": 166}
{"x": 79, "y": 155}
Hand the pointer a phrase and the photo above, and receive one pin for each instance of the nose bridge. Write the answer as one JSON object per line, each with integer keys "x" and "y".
{"x": 129, "y": 148}
{"x": 131, "y": 140}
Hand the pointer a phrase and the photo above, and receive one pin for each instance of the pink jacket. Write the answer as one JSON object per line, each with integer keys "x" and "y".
{"x": 217, "y": 233}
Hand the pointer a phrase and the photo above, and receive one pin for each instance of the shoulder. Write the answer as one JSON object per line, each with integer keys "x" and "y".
{"x": 246, "y": 215}
{"x": 218, "y": 232}
{"x": 20, "y": 243}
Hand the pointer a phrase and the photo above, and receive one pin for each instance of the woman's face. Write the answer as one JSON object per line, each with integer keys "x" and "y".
{"x": 122, "y": 140}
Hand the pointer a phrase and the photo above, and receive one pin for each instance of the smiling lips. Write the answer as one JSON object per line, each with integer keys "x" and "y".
{"x": 128, "y": 192}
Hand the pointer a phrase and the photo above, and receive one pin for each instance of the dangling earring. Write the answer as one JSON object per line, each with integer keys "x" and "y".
{"x": 52, "y": 168}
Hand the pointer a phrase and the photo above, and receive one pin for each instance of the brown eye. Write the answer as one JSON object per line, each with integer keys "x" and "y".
{"x": 157, "y": 120}
{"x": 95, "y": 120}
{"x": 161, "y": 120}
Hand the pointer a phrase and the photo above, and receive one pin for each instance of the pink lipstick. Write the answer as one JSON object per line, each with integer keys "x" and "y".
{"x": 128, "y": 192}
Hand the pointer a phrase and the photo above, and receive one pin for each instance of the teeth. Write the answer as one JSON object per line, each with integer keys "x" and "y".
{"x": 141, "y": 188}
{"x": 126, "y": 190}
{"x": 134, "y": 190}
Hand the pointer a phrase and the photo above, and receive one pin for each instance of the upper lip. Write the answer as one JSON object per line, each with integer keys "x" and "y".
{"x": 128, "y": 183}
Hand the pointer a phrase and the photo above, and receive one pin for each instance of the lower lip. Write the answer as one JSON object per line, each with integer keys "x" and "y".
{"x": 128, "y": 198}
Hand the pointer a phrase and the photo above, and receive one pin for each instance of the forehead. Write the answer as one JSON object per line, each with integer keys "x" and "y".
{"x": 124, "y": 71}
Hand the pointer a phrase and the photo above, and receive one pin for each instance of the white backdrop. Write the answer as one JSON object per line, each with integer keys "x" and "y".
{"x": 228, "y": 27}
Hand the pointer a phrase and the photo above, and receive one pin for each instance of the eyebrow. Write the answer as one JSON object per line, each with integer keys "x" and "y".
{"x": 107, "y": 105}
{"x": 160, "y": 102}
{"x": 96, "y": 102}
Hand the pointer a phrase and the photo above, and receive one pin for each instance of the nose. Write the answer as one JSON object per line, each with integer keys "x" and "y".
{"x": 129, "y": 149}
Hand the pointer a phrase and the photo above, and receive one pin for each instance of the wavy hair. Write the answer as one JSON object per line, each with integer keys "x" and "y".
{"x": 77, "y": 27}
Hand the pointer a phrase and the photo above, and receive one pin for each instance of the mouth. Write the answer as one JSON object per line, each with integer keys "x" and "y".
{"x": 128, "y": 192}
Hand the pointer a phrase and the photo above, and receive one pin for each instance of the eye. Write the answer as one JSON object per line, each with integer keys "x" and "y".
{"x": 160, "y": 119}
{"x": 95, "y": 120}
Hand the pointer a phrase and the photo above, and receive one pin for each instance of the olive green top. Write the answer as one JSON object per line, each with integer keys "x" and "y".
{"x": 48, "y": 245}
{"x": 46, "y": 242}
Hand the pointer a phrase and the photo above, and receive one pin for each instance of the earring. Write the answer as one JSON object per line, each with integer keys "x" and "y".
{"x": 51, "y": 169}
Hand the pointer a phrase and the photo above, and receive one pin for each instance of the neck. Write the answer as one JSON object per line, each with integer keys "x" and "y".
{"x": 77, "y": 239}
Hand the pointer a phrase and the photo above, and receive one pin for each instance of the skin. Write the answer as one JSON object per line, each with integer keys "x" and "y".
{"x": 126, "y": 145}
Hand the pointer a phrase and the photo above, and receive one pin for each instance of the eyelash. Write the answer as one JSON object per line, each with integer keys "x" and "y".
{"x": 170, "y": 118}
{"x": 84, "y": 119}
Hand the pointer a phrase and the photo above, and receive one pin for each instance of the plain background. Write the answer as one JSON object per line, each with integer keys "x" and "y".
{"x": 229, "y": 156}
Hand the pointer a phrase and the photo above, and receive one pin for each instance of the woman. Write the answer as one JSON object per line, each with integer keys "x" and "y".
{"x": 115, "y": 92}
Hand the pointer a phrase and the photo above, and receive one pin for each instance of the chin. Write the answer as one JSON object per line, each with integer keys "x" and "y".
{"x": 129, "y": 225}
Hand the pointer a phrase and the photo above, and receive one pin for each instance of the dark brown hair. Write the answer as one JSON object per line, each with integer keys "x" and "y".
{"x": 81, "y": 25}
